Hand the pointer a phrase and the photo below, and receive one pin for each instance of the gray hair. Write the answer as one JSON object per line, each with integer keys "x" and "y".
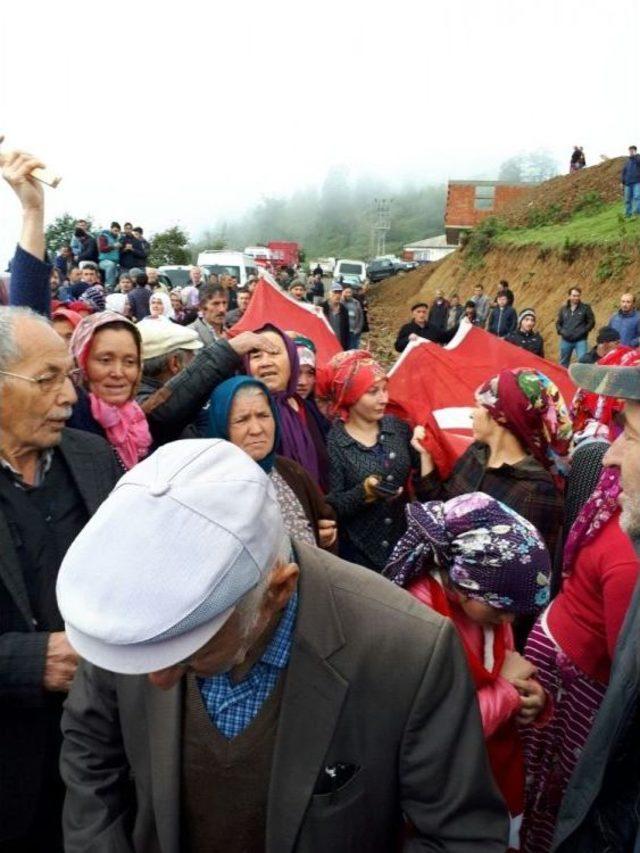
{"x": 153, "y": 367}
{"x": 248, "y": 607}
{"x": 10, "y": 350}
{"x": 250, "y": 391}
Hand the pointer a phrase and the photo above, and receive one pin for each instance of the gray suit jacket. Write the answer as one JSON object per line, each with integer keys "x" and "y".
{"x": 375, "y": 680}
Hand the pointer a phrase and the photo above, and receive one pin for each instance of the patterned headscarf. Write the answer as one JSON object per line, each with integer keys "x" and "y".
{"x": 530, "y": 406}
{"x": 490, "y": 553}
{"x": 82, "y": 337}
{"x": 589, "y": 410}
{"x": 306, "y": 350}
{"x": 95, "y": 297}
{"x": 597, "y": 511}
{"x": 347, "y": 377}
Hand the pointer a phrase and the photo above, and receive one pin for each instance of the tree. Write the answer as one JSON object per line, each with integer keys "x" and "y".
{"x": 169, "y": 247}
{"x": 534, "y": 166}
{"x": 60, "y": 231}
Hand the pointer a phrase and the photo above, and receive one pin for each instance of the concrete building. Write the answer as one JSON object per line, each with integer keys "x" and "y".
{"x": 469, "y": 202}
{"x": 431, "y": 249}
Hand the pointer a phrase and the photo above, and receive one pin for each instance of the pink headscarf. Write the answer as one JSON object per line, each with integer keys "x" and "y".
{"x": 125, "y": 426}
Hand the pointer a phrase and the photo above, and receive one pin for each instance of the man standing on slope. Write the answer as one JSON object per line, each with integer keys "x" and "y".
{"x": 575, "y": 321}
{"x": 631, "y": 182}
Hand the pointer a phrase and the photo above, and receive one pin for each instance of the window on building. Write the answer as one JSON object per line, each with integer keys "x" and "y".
{"x": 484, "y": 197}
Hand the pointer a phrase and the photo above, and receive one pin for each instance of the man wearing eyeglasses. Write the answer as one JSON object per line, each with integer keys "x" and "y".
{"x": 52, "y": 479}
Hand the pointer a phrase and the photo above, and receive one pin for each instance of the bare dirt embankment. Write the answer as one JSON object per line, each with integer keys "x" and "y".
{"x": 538, "y": 275}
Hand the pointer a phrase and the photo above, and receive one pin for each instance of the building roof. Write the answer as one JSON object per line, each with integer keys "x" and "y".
{"x": 438, "y": 242}
{"x": 495, "y": 183}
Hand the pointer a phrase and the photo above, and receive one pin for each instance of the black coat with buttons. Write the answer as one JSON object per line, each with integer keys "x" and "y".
{"x": 369, "y": 530}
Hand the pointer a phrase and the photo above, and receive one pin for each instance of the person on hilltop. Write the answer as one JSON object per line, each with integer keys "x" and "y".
{"x": 575, "y": 321}
{"x": 607, "y": 340}
{"x": 630, "y": 179}
{"x": 503, "y": 319}
{"x": 420, "y": 326}
{"x": 626, "y": 321}
{"x": 578, "y": 160}
{"x": 132, "y": 251}
{"x": 525, "y": 335}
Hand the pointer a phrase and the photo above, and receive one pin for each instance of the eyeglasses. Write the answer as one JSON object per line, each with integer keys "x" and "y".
{"x": 50, "y": 381}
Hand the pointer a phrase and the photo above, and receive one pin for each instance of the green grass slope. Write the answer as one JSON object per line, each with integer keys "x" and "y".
{"x": 605, "y": 226}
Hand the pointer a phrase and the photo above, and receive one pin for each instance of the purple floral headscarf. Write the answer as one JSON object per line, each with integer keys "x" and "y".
{"x": 490, "y": 552}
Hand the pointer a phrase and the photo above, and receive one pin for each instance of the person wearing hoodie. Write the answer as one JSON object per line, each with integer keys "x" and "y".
{"x": 525, "y": 336}
{"x": 503, "y": 319}
{"x": 626, "y": 321}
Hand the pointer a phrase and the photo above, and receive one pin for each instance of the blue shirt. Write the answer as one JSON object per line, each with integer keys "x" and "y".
{"x": 231, "y": 707}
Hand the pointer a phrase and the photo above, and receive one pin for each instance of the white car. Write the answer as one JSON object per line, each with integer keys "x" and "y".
{"x": 349, "y": 269}
{"x": 237, "y": 264}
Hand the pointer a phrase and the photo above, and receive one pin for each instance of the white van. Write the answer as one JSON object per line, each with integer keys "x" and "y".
{"x": 237, "y": 264}
{"x": 350, "y": 270}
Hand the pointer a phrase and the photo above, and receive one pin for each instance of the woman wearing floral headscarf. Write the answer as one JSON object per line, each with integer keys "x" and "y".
{"x": 522, "y": 435}
{"x": 370, "y": 459}
{"x": 107, "y": 348}
{"x": 476, "y": 561}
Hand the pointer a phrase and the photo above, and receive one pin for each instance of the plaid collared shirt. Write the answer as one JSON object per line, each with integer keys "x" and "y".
{"x": 231, "y": 707}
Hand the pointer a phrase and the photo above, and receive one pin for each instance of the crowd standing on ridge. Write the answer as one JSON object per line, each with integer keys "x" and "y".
{"x": 244, "y": 607}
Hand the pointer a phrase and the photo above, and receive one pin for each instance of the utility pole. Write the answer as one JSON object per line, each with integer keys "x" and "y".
{"x": 381, "y": 224}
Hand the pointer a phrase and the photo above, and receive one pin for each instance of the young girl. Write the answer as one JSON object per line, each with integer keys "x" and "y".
{"x": 478, "y": 562}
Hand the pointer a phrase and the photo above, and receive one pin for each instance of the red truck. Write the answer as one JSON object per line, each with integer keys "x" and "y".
{"x": 284, "y": 254}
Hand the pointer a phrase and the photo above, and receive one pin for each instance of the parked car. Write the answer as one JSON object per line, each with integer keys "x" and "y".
{"x": 174, "y": 276}
{"x": 346, "y": 267}
{"x": 237, "y": 264}
{"x": 381, "y": 269}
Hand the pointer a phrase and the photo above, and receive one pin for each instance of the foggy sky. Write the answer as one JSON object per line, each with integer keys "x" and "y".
{"x": 189, "y": 114}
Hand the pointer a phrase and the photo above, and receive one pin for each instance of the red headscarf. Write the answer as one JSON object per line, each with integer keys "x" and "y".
{"x": 587, "y": 406}
{"x": 346, "y": 378}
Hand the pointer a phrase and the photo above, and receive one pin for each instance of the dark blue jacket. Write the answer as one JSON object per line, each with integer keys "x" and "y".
{"x": 628, "y": 325}
{"x": 502, "y": 321}
{"x": 631, "y": 171}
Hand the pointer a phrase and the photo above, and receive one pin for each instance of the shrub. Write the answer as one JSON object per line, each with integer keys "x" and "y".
{"x": 480, "y": 241}
{"x": 589, "y": 203}
{"x": 570, "y": 251}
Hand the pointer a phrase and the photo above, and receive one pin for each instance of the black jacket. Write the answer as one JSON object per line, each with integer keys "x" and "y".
{"x": 439, "y": 314}
{"x": 343, "y": 314}
{"x": 136, "y": 257}
{"x": 502, "y": 321}
{"x": 531, "y": 341}
{"x": 575, "y": 325}
{"x": 27, "y": 711}
{"x": 371, "y": 528}
{"x": 89, "y": 250}
{"x": 428, "y": 332}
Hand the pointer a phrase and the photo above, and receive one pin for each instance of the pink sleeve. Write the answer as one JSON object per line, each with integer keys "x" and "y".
{"x": 498, "y": 703}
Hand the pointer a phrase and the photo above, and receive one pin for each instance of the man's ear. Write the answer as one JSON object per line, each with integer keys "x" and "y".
{"x": 281, "y": 586}
{"x": 174, "y": 365}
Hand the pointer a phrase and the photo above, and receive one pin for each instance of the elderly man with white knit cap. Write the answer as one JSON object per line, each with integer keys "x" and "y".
{"x": 242, "y": 693}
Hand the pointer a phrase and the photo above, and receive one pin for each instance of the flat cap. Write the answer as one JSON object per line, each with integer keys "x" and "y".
{"x": 161, "y": 565}
{"x": 623, "y": 382}
{"x": 160, "y": 338}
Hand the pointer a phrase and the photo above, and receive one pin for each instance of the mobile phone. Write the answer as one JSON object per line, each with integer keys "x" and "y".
{"x": 386, "y": 489}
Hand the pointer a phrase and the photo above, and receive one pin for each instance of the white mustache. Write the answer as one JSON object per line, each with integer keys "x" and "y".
{"x": 63, "y": 414}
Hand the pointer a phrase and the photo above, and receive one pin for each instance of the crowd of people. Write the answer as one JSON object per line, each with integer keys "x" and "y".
{"x": 243, "y": 607}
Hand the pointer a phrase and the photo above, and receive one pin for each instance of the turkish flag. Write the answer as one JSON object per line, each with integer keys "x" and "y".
{"x": 434, "y": 386}
{"x": 269, "y": 304}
